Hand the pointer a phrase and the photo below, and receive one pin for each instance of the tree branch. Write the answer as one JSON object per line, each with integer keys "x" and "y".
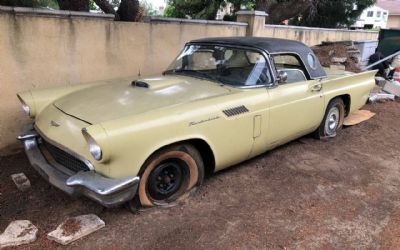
{"x": 279, "y": 12}
{"x": 105, "y": 6}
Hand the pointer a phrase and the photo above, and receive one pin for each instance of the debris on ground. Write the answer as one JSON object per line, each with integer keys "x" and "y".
{"x": 21, "y": 181}
{"x": 17, "y": 233}
{"x": 338, "y": 55}
{"x": 339, "y": 59}
{"x": 380, "y": 81}
{"x": 392, "y": 87}
{"x": 374, "y": 97}
{"x": 357, "y": 117}
{"x": 75, "y": 228}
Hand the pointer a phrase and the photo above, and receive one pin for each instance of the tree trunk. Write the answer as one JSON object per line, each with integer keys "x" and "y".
{"x": 279, "y": 12}
{"x": 105, "y": 6}
{"x": 262, "y": 5}
{"x": 128, "y": 10}
{"x": 75, "y": 5}
{"x": 236, "y": 7}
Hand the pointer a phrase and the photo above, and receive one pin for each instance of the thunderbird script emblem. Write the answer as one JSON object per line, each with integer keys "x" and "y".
{"x": 54, "y": 123}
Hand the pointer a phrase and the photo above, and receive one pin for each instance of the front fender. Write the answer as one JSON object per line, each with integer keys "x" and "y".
{"x": 38, "y": 99}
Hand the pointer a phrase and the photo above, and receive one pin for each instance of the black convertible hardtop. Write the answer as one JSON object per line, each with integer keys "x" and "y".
{"x": 271, "y": 46}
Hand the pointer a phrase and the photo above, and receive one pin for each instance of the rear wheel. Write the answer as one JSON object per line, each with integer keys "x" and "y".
{"x": 333, "y": 119}
{"x": 170, "y": 175}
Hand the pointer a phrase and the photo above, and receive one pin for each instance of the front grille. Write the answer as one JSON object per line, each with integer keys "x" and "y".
{"x": 65, "y": 159}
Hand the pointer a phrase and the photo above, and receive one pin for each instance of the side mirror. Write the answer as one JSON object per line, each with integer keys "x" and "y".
{"x": 282, "y": 76}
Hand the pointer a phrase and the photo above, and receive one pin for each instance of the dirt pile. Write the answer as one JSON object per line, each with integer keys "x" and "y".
{"x": 342, "y": 54}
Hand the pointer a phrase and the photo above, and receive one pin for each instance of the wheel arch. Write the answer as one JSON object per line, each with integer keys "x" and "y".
{"x": 204, "y": 148}
{"x": 346, "y": 98}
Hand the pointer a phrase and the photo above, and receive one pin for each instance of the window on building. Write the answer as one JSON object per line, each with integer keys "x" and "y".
{"x": 370, "y": 14}
{"x": 378, "y": 14}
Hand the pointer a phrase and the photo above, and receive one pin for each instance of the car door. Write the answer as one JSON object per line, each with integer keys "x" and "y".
{"x": 296, "y": 107}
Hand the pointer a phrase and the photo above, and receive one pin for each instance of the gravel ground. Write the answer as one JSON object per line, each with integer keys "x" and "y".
{"x": 340, "y": 193}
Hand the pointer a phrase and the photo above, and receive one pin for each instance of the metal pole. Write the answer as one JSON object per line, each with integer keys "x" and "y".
{"x": 382, "y": 60}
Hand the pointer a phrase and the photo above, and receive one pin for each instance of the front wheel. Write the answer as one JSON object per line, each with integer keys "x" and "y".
{"x": 333, "y": 119}
{"x": 170, "y": 174}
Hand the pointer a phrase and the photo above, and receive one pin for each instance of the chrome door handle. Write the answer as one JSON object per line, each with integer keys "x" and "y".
{"x": 316, "y": 87}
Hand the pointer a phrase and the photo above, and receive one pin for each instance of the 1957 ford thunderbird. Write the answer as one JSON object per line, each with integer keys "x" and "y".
{"x": 152, "y": 140}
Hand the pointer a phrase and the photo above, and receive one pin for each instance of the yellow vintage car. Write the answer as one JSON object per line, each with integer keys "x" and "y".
{"x": 151, "y": 141}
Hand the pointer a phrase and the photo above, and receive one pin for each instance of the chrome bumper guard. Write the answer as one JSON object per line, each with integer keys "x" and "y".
{"x": 106, "y": 191}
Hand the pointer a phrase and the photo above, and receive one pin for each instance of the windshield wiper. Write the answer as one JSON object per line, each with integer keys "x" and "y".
{"x": 205, "y": 75}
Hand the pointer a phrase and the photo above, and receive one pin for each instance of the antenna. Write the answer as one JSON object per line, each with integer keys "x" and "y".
{"x": 139, "y": 73}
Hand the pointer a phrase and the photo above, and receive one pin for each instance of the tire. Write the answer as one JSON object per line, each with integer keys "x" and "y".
{"x": 170, "y": 175}
{"x": 333, "y": 119}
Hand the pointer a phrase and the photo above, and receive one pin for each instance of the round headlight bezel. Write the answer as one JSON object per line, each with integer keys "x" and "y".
{"x": 26, "y": 108}
{"x": 94, "y": 148}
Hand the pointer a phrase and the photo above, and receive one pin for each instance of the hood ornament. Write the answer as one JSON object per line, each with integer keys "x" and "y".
{"x": 54, "y": 123}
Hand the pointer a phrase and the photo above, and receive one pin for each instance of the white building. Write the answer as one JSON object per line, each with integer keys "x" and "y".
{"x": 372, "y": 18}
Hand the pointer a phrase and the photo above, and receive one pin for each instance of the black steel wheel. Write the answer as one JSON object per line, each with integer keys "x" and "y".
{"x": 169, "y": 175}
{"x": 167, "y": 180}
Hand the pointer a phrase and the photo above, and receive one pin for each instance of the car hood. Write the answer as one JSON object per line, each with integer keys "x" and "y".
{"x": 119, "y": 98}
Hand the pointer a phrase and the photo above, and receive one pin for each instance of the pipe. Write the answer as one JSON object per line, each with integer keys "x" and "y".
{"x": 382, "y": 60}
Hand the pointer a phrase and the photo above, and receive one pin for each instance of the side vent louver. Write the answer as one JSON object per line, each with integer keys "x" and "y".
{"x": 235, "y": 111}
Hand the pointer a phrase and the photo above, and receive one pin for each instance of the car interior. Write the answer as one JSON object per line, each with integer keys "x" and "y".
{"x": 292, "y": 66}
{"x": 235, "y": 67}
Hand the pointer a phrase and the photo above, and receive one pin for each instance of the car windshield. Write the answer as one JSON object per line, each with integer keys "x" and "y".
{"x": 226, "y": 65}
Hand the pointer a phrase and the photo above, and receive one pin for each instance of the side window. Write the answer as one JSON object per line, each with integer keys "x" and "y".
{"x": 292, "y": 66}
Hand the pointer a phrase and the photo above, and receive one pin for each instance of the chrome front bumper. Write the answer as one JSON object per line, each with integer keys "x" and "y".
{"x": 106, "y": 191}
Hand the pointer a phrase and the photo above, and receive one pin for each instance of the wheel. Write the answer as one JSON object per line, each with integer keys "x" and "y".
{"x": 333, "y": 119}
{"x": 169, "y": 175}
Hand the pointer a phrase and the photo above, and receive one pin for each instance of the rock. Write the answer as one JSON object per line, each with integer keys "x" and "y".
{"x": 351, "y": 47}
{"x": 337, "y": 67}
{"x": 17, "y": 233}
{"x": 21, "y": 181}
{"x": 354, "y": 51}
{"x": 339, "y": 59}
{"x": 75, "y": 228}
{"x": 331, "y": 52}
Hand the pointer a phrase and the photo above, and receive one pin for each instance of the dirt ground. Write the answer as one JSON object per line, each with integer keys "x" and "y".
{"x": 341, "y": 193}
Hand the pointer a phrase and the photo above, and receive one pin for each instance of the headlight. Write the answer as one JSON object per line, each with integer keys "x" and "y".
{"x": 94, "y": 148}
